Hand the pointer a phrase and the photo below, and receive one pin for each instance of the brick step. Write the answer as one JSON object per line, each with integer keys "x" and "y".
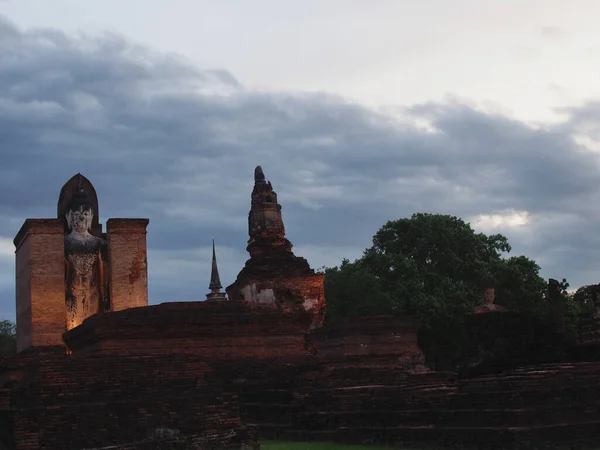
{"x": 541, "y": 374}
{"x": 545, "y": 370}
{"x": 523, "y": 382}
{"x": 328, "y": 380}
{"x": 328, "y": 420}
{"x": 269, "y": 430}
{"x": 209, "y": 400}
{"x": 375, "y": 388}
{"x": 542, "y": 371}
{"x": 520, "y": 387}
{"x": 327, "y": 383}
{"x": 544, "y": 397}
{"x": 489, "y": 438}
{"x": 266, "y": 396}
{"x": 414, "y": 404}
{"x": 383, "y": 397}
{"x": 266, "y": 413}
{"x": 62, "y": 397}
{"x": 559, "y": 366}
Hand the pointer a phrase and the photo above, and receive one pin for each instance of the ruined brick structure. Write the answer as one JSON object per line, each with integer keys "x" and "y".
{"x": 384, "y": 342}
{"x": 62, "y": 278}
{"x": 219, "y": 373}
{"x": 274, "y": 275}
{"x": 212, "y": 329}
{"x": 54, "y": 401}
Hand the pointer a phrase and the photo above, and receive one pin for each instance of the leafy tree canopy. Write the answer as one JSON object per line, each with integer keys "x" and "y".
{"x": 434, "y": 267}
{"x": 438, "y": 263}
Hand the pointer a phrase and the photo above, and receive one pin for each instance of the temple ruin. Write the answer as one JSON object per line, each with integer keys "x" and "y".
{"x": 227, "y": 372}
{"x": 274, "y": 275}
{"x": 68, "y": 269}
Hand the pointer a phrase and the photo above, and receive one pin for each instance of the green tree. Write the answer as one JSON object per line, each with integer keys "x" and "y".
{"x": 437, "y": 261}
{"x": 8, "y": 338}
{"x": 584, "y": 299}
{"x": 353, "y": 291}
{"x": 519, "y": 285}
{"x": 434, "y": 267}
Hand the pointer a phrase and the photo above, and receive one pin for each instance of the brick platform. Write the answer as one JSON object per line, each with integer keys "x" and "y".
{"x": 220, "y": 373}
{"x": 213, "y": 329}
{"x": 544, "y": 406}
{"x": 381, "y": 341}
{"x": 74, "y": 402}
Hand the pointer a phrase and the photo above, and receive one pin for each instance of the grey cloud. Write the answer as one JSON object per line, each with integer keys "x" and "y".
{"x": 163, "y": 139}
{"x": 553, "y": 32}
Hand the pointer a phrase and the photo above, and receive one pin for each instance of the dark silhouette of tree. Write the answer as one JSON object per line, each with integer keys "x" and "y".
{"x": 8, "y": 338}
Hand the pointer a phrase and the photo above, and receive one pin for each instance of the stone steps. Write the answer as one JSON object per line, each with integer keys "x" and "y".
{"x": 269, "y": 413}
{"x": 475, "y": 418}
{"x": 489, "y": 438}
{"x": 541, "y": 397}
{"x": 242, "y": 439}
{"x": 535, "y": 407}
{"x": 550, "y": 370}
{"x": 375, "y": 397}
{"x": 526, "y": 381}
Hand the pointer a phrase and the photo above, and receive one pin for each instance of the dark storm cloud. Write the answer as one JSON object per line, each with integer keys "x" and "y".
{"x": 163, "y": 139}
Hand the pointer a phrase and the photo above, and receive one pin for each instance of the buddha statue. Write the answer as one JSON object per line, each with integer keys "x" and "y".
{"x": 488, "y": 306}
{"x": 86, "y": 282}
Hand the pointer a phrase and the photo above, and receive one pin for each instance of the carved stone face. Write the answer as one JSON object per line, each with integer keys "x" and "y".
{"x": 80, "y": 219}
{"x": 488, "y": 296}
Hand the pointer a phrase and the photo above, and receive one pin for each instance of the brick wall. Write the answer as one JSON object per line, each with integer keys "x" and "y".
{"x": 72, "y": 402}
{"x": 40, "y": 286}
{"x": 219, "y": 329}
{"x": 128, "y": 265}
{"x": 388, "y": 340}
{"x": 50, "y": 400}
{"x": 292, "y": 292}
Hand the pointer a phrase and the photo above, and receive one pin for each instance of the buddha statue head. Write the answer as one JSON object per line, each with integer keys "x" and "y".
{"x": 80, "y": 213}
{"x": 488, "y": 296}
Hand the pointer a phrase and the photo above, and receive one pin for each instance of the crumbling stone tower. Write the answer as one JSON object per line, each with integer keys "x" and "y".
{"x": 59, "y": 276}
{"x": 273, "y": 274}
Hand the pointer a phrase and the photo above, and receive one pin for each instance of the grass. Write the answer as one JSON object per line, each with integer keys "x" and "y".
{"x": 279, "y": 445}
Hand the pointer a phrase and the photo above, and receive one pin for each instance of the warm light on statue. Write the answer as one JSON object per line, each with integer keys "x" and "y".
{"x": 85, "y": 255}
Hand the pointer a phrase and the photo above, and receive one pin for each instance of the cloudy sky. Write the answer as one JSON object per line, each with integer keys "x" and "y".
{"x": 359, "y": 111}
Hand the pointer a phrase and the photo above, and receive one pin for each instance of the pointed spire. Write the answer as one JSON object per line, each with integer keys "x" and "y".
{"x": 215, "y": 281}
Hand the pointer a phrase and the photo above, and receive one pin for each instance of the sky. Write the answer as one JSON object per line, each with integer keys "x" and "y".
{"x": 359, "y": 111}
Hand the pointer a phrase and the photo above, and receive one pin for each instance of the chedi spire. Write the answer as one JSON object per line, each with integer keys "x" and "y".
{"x": 259, "y": 175}
{"x": 265, "y": 224}
{"x": 274, "y": 275}
{"x": 215, "y": 282}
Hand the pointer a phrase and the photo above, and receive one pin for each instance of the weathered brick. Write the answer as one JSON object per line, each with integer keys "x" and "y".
{"x": 128, "y": 264}
{"x": 40, "y": 285}
{"x": 40, "y": 276}
{"x": 274, "y": 275}
{"x": 215, "y": 329}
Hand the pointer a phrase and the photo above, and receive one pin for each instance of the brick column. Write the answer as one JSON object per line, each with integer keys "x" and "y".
{"x": 40, "y": 283}
{"x": 128, "y": 265}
